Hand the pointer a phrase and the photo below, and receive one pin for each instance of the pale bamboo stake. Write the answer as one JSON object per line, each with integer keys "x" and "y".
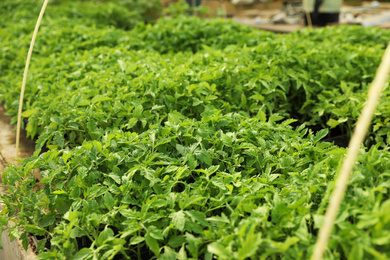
{"x": 354, "y": 146}
{"x": 308, "y": 17}
{"x": 25, "y": 75}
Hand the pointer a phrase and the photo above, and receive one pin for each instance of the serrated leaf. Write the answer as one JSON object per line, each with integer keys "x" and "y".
{"x": 176, "y": 241}
{"x": 56, "y": 119}
{"x": 108, "y": 200}
{"x": 192, "y": 200}
{"x": 212, "y": 169}
{"x": 116, "y": 178}
{"x": 261, "y": 116}
{"x": 320, "y": 134}
{"x": 227, "y": 140}
{"x": 59, "y": 139}
{"x": 249, "y": 246}
{"x": 35, "y": 230}
{"x": 138, "y": 111}
{"x": 155, "y": 233}
{"x": 178, "y": 220}
{"x": 198, "y": 216}
{"x": 204, "y": 157}
{"x": 46, "y": 220}
{"x": 275, "y": 118}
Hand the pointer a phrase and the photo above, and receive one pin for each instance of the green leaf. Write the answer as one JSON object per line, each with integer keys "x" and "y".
{"x": 204, "y": 157}
{"x": 198, "y": 216}
{"x": 131, "y": 230}
{"x": 192, "y": 200}
{"x": 332, "y": 123}
{"x": 257, "y": 97}
{"x": 356, "y": 252}
{"x": 136, "y": 240}
{"x": 227, "y": 140}
{"x": 243, "y": 100}
{"x": 178, "y": 220}
{"x": 29, "y": 112}
{"x": 122, "y": 65}
{"x": 46, "y": 220}
{"x": 155, "y": 233}
{"x": 375, "y": 253}
{"x": 83, "y": 254}
{"x": 62, "y": 205}
{"x": 219, "y": 219}
{"x": 182, "y": 255}
{"x": 59, "y": 139}
{"x": 320, "y": 134}
{"x": 367, "y": 221}
{"x": 100, "y": 98}
{"x": 288, "y": 243}
{"x": 77, "y": 232}
{"x": 108, "y": 200}
{"x": 176, "y": 241}
{"x": 261, "y": 116}
{"x": 182, "y": 150}
{"x": 106, "y": 234}
{"x": 318, "y": 221}
{"x": 249, "y": 246}
{"x": 132, "y": 122}
{"x": 116, "y": 178}
{"x": 73, "y": 215}
{"x": 192, "y": 162}
{"x": 381, "y": 237}
{"x": 169, "y": 254}
{"x": 56, "y": 119}
{"x": 219, "y": 250}
{"x": 35, "y": 230}
{"x": 92, "y": 129}
{"x": 138, "y": 111}
{"x": 212, "y": 169}
{"x": 193, "y": 244}
{"x": 152, "y": 244}
{"x": 128, "y": 213}
{"x": 274, "y": 118}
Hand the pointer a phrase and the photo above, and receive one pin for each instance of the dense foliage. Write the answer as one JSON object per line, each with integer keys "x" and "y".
{"x": 231, "y": 66}
{"x": 187, "y": 138}
{"x": 123, "y": 14}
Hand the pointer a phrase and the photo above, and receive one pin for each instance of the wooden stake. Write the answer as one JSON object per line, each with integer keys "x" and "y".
{"x": 308, "y": 17}
{"x": 353, "y": 150}
{"x": 25, "y": 76}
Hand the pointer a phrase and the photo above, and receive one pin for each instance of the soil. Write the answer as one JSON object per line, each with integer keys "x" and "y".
{"x": 13, "y": 250}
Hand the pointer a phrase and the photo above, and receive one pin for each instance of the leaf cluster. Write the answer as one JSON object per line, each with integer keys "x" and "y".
{"x": 187, "y": 139}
